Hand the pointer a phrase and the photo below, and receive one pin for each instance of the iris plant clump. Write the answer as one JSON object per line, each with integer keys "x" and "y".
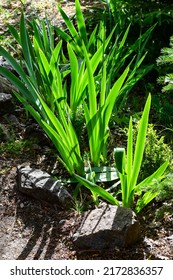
{"x": 42, "y": 87}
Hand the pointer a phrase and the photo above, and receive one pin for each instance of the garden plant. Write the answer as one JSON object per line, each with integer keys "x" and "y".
{"x": 53, "y": 83}
{"x": 128, "y": 166}
{"x": 166, "y": 60}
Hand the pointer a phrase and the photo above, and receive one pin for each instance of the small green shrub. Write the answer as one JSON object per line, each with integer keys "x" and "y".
{"x": 166, "y": 192}
{"x": 163, "y": 112}
{"x": 166, "y": 197}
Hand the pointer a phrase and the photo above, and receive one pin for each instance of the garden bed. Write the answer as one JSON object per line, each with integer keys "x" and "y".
{"x": 32, "y": 229}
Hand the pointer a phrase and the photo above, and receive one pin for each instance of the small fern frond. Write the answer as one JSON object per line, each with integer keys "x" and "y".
{"x": 166, "y": 59}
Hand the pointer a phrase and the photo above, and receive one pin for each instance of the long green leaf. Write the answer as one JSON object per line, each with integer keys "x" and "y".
{"x": 50, "y": 32}
{"x": 70, "y": 40}
{"x": 122, "y": 43}
{"x": 119, "y": 156}
{"x": 91, "y": 84}
{"x": 74, "y": 79}
{"x": 14, "y": 33}
{"x": 16, "y": 66}
{"x": 66, "y": 151}
{"x": 156, "y": 175}
{"x": 45, "y": 37}
{"x": 44, "y": 62}
{"x": 81, "y": 23}
{"x": 112, "y": 96}
{"x": 55, "y": 54}
{"x": 140, "y": 142}
{"x": 25, "y": 42}
{"x": 29, "y": 95}
{"x": 103, "y": 87}
{"x": 147, "y": 197}
{"x": 129, "y": 154}
{"x": 70, "y": 26}
{"x": 92, "y": 40}
{"x": 97, "y": 190}
{"x": 37, "y": 34}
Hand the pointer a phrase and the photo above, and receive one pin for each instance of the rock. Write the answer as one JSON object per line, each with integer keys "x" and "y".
{"x": 40, "y": 185}
{"x": 6, "y": 104}
{"x": 33, "y": 130}
{"x": 22, "y": 205}
{"x": 5, "y": 64}
{"x": 14, "y": 121}
{"x": 107, "y": 227}
{"x": 6, "y": 86}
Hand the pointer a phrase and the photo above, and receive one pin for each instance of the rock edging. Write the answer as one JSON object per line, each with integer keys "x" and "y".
{"x": 40, "y": 185}
{"x": 107, "y": 227}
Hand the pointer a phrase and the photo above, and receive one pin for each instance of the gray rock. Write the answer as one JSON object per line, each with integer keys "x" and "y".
{"x": 107, "y": 227}
{"x": 6, "y": 104}
{"x": 6, "y": 65}
{"x": 33, "y": 130}
{"x": 40, "y": 185}
{"x": 6, "y": 86}
{"x": 14, "y": 121}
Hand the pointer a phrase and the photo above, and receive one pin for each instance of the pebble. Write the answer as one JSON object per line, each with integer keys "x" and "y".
{"x": 170, "y": 238}
{"x": 61, "y": 222}
{"x": 22, "y": 205}
{"x": 14, "y": 121}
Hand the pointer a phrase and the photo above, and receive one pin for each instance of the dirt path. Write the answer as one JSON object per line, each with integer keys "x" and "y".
{"x": 10, "y": 11}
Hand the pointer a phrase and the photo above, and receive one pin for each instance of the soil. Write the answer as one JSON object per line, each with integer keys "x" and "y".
{"x": 35, "y": 230}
